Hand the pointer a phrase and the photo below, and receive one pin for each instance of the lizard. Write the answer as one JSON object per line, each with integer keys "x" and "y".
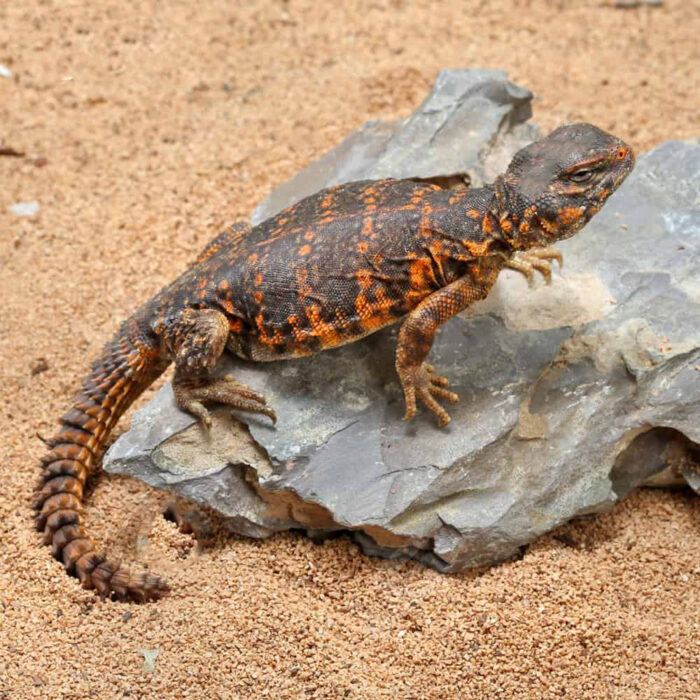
{"x": 329, "y": 270}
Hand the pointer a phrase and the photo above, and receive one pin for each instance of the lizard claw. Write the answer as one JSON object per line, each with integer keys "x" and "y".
{"x": 200, "y": 412}
{"x": 421, "y": 382}
{"x": 191, "y": 395}
{"x": 535, "y": 259}
{"x": 190, "y": 519}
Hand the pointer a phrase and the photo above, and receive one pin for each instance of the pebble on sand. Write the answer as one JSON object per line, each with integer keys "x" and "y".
{"x": 25, "y": 208}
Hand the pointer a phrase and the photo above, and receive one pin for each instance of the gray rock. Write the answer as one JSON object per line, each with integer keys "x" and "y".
{"x": 631, "y": 4}
{"x": 469, "y": 127}
{"x": 571, "y": 395}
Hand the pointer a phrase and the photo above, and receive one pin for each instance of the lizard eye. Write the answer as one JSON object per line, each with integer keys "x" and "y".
{"x": 582, "y": 175}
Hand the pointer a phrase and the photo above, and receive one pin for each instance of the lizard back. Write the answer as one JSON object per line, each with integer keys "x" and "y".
{"x": 337, "y": 266}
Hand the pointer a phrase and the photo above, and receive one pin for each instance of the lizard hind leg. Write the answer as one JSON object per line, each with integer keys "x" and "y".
{"x": 192, "y": 519}
{"x": 197, "y": 339}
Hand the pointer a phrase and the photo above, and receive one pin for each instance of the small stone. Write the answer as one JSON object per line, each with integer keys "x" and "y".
{"x": 39, "y": 366}
{"x": 631, "y": 4}
{"x": 5, "y": 72}
{"x": 11, "y": 152}
{"x": 30, "y": 208}
{"x": 149, "y": 659}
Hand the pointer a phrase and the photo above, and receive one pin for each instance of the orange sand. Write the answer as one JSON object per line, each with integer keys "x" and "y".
{"x": 149, "y": 126}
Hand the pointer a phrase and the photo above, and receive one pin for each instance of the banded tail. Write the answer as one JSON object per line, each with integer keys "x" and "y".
{"x": 128, "y": 365}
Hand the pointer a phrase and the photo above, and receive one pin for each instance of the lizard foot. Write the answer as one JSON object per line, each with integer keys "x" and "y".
{"x": 192, "y": 394}
{"x": 190, "y": 519}
{"x": 422, "y": 382}
{"x": 527, "y": 261}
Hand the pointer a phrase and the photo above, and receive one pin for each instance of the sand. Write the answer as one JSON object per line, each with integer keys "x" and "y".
{"x": 147, "y": 127}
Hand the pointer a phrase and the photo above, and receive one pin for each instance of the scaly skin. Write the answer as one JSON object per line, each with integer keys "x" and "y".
{"x": 327, "y": 271}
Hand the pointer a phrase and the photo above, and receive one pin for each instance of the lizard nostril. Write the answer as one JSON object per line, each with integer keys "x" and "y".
{"x": 621, "y": 153}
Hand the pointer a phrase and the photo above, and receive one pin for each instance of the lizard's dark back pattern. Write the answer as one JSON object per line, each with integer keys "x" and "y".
{"x": 336, "y": 266}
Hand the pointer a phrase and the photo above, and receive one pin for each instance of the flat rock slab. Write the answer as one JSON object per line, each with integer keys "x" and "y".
{"x": 571, "y": 395}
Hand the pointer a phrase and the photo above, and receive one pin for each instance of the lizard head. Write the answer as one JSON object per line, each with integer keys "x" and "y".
{"x": 555, "y": 185}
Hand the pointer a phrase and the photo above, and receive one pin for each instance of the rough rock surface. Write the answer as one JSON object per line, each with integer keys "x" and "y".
{"x": 571, "y": 395}
{"x": 467, "y": 128}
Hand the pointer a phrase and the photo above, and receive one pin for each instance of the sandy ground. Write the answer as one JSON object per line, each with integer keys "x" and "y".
{"x": 146, "y": 129}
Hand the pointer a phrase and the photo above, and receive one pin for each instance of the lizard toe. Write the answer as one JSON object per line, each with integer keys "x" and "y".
{"x": 421, "y": 382}
{"x": 444, "y": 394}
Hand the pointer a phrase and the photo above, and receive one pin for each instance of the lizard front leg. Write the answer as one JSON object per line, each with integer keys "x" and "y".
{"x": 527, "y": 261}
{"x": 416, "y": 338}
{"x": 197, "y": 339}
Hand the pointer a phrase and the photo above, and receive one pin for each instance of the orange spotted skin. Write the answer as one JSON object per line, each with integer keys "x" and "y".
{"x": 337, "y": 266}
{"x": 329, "y": 270}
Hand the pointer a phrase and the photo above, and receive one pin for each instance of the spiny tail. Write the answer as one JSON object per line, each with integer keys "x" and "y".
{"x": 129, "y": 364}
